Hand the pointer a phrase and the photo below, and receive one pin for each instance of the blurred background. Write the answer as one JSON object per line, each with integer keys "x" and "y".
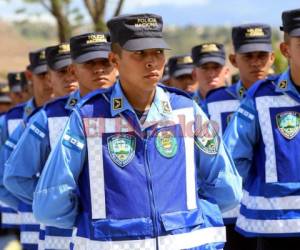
{"x": 30, "y": 24}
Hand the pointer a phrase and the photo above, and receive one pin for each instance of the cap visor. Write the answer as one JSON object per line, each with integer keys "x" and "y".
{"x": 181, "y": 72}
{"x": 61, "y": 64}
{"x": 91, "y": 56}
{"x": 211, "y": 59}
{"x": 295, "y": 32}
{"x": 16, "y": 89}
{"x": 5, "y": 99}
{"x": 145, "y": 43}
{"x": 246, "y": 48}
{"x": 40, "y": 69}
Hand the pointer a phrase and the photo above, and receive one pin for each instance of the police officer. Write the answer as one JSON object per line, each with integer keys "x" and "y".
{"x": 133, "y": 179}
{"x": 264, "y": 141}
{"x": 18, "y": 91}
{"x": 253, "y": 57}
{"x": 46, "y": 126}
{"x": 180, "y": 71}
{"x": 15, "y": 120}
{"x": 5, "y": 100}
{"x": 210, "y": 70}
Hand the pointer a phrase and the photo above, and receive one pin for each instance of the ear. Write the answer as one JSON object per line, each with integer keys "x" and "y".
{"x": 232, "y": 59}
{"x": 227, "y": 72}
{"x": 28, "y": 75}
{"x": 272, "y": 58}
{"x": 284, "y": 48}
{"x": 194, "y": 74}
{"x": 113, "y": 58}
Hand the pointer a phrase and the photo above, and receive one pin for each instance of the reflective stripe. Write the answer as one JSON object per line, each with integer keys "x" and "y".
{"x": 189, "y": 143}
{"x": 56, "y": 126}
{"x": 57, "y": 242}
{"x": 96, "y": 176}
{"x": 232, "y": 213}
{"x": 94, "y": 128}
{"x": 268, "y": 226}
{"x": 215, "y": 110}
{"x": 29, "y": 237}
{"x": 10, "y": 218}
{"x": 12, "y": 124}
{"x": 28, "y": 218}
{"x": 276, "y": 203}
{"x": 264, "y": 103}
{"x": 171, "y": 242}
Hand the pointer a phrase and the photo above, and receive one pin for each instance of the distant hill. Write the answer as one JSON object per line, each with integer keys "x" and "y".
{"x": 18, "y": 38}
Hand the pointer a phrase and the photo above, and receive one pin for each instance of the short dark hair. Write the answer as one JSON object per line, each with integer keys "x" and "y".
{"x": 286, "y": 37}
{"x": 116, "y": 48}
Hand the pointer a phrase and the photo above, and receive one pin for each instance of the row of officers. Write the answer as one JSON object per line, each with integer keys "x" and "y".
{"x": 105, "y": 157}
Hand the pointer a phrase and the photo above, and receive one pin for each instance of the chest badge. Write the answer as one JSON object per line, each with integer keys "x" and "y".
{"x": 166, "y": 144}
{"x": 288, "y": 123}
{"x": 121, "y": 148}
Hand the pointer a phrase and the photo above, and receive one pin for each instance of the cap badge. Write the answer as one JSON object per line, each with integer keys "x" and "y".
{"x": 146, "y": 23}
{"x": 117, "y": 103}
{"x": 254, "y": 32}
{"x": 63, "y": 48}
{"x": 206, "y": 48}
{"x": 184, "y": 60}
{"x": 96, "y": 39}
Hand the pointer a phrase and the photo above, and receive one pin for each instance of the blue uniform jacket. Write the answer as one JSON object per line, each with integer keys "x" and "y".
{"x": 263, "y": 138}
{"x": 123, "y": 184}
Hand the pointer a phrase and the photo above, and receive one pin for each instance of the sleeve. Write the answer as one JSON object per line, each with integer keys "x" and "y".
{"x": 57, "y": 187}
{"x": 242, "y": 134}
{"x": 9, "y": 145}
{"x": 23, "y": 167}
{"x": 218, "y": 179}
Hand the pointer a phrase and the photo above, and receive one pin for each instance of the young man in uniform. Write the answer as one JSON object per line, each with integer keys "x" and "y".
{"x": 18, "y": 86}
{"x": 46, "y": 126}
{"x": 15, "y": 120}
{"x": 180, "y": 71}
{"x": 124, "y": 171}
{"x": 253, "y": 56}
{"x": 263, "y": 138}
{"x": 210, "y": 70}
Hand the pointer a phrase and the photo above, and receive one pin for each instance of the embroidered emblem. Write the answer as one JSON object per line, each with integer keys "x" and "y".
{"x": 166, "y": 107}
{"x": 207, "y": 139}
{"x": 288, "y": 123}
{"x": 117, "y": 103}
{"x": 166, "y": 144}
{"x": 73, "y": 102}
{"x": 283, "y": 84}
{"x": 121, "y": 148}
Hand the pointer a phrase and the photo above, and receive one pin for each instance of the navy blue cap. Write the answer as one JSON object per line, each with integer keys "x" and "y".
{"x": 89, "y": 46}
{"x": 252, "y": 37}
{"x": 180, "y": 65}
{"x": 38, "y": 64}
{"x": 58, "y": 56}
{"x": 137, "y": 32}
{"x": 16, "y": 81}
{"x": 208, "y": 52}
{"x": 166, "y": 74}
{"x": 291, "y": 22}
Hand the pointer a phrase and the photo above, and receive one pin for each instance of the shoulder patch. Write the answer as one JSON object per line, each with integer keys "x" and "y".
{"x": 207, "y": 139}
{"x": 73, "y": 142}
{"x": 37, "y": 130}
{"x": 246, "y": 113}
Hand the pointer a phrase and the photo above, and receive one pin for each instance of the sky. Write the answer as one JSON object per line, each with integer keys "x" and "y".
{"x": 184, "y": 12}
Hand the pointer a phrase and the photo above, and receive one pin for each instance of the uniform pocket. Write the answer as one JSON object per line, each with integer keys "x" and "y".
{"x": 112, "y": 228}
{"x": 182, "y": 219}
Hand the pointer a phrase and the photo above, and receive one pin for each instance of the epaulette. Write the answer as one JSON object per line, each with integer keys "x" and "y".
{"x": 214, "y": 91}
{"x": 174, "y": 90}
{"x": 93, "y": 94}
{"x": 261, "y": 83}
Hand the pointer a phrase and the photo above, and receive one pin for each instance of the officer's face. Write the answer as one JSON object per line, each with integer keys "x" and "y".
{"x": 184, "y": 82}
{"x": 18, "y": 97}
{"x": 4, "y": 107}
{"x": 210, "y": 76}
{"x": 94, "y": 74}
{"x": 253, "y": 66}
{"x": 62, "y": 81}
{"x": 41, "y": 86}
{"x": 291, "y": 50}
{"x": 141, "y": 70}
